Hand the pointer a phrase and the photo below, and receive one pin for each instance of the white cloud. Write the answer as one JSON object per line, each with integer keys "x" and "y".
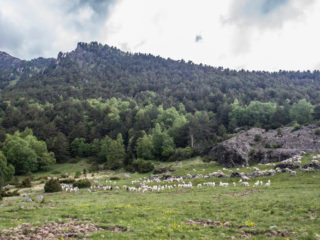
{"x": 251, "y": 34}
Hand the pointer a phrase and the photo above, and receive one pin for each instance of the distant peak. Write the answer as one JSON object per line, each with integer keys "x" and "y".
{"x": 88, "y": 46}
{"x": 6, "y": 56}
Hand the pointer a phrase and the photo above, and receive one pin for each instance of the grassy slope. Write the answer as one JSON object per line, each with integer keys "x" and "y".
{"x": 290, "y": 205}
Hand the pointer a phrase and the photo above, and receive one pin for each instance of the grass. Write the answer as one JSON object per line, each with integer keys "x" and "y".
{"x": 288, "y": 209}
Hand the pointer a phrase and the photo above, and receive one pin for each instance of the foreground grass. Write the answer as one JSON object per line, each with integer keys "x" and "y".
{"x": 288, "y": 209}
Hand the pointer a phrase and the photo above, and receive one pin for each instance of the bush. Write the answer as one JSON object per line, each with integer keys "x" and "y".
{"x": 52, "y": 185}
{"x": 317, "y": 132}
{"x": 64, "y": 175}
{"x": 26, "y": 183}
{"x": 257, "y": 138}
{"x": 279, "y": 132}
{"x": 83, "y": 183}
{"x": 9, "y": 194}
{"x": 67, "y": 181}
{"x": 296, "y": 127}
{"x": 142, "y": 166}
{"x": 114, "y": 178}
{"x": 206, "y": 159}
{"x": 182, "y": 154}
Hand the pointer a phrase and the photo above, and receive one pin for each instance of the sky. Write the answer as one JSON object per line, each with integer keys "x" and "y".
{"x": 266, "y": 35}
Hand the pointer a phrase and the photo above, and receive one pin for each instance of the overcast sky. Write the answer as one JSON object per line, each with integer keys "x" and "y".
{"x": 238, "y": 34}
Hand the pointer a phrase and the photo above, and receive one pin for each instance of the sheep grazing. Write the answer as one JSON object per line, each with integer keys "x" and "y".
{"x": 211, "y": 184}
{"x": 234, "y": 184}
{"x": 199, "y": 185}
{"x": 245, "y": 178}
{"x": 246, "y": 184}
{"x": 308, "y": 169}
{"x": 223, "y": 184}
{"x": 268, "y": 183}
{"x": 256, "y": 184}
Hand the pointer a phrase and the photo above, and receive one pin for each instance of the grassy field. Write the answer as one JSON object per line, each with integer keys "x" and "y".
{"x": 288, "y": 209}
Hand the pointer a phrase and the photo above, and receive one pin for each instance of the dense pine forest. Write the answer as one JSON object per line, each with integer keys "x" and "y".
{"x": 120, "y": 109}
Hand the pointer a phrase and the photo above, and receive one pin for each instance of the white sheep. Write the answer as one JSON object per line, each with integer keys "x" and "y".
{"x": 268, "y": 183}
{"x": 256, "y": 184}
{"x": 246, "y": 184}
{"x": 223, "y": 184}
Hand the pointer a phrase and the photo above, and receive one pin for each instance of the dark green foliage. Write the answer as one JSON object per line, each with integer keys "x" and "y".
{"x": 114, "y": 178}
{"x": 142, "y": 166}
{"x": 115, "y": 154}
{"x": 6, "y": 171}
{"x": 80, "y": 102}
{"x": 182, "y": 154}
{"x": 301, "y": 111}
{"x": 26, "y": 153}
{"x": 26, "y": 183}
{"x": 60, "y": 146}
{"x": 9, "y": 193}
{"x": 67, "y": 181}
{"x": 52, "y": 185}
{"x": 257, "y": 138}
{"x": 272, "y": 146}
{"x": 316, "y": 112}
{"x": 83, "y": 183}
{"x": 317, "y": 131}
{"x": 296, "y": 127}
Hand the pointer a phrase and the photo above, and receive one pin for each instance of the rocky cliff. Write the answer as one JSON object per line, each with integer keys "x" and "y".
{"x": 260, "y": 146}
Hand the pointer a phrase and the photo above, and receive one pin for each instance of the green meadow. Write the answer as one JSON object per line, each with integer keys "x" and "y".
{"x": 288, "y": 209}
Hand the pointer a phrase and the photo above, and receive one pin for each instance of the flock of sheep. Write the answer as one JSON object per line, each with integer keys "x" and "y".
{"x": 156, "y": 184}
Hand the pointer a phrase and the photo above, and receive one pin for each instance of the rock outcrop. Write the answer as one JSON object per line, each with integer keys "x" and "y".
{"x": 260, "y": 146}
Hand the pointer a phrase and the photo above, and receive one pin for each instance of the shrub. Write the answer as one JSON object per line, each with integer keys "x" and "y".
{"x": 142, "y": 166}
{"x": 317, "y": 132}
{"x": 206, "y": 159}
{"x": 52, "y": 185}
{"x": 182, "y": 154}
{"x": 9, "y": 194}
{"x": 83, "y": 183}
{"x": 257, "y": 138}
{"x": 296, "y": 127}
{"x": 114, "y": 178}
{"x": 26, "y": 183}
{"x": 64, "y": 175}
{"x": 130, "y": 168}
{"x": 279, "y": 132}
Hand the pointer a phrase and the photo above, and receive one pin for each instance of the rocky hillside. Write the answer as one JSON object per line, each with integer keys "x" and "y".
{"x": 261, "y": 146}
{"x": 13, "y": 69}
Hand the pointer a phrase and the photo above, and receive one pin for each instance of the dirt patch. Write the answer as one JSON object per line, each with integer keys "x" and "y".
{"x": 116, "y": 229}
{"x": 240, "y": 194}
{"x": 269, "y": 234}
{"x": 208, "y": 223}
{"x": 73, "y": 228}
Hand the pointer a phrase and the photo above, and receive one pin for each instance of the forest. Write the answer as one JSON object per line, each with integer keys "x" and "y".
{"x": 120, "y": 109}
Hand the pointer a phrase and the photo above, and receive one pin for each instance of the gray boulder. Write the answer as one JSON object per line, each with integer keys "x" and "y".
{"x": 260, "y": 146}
